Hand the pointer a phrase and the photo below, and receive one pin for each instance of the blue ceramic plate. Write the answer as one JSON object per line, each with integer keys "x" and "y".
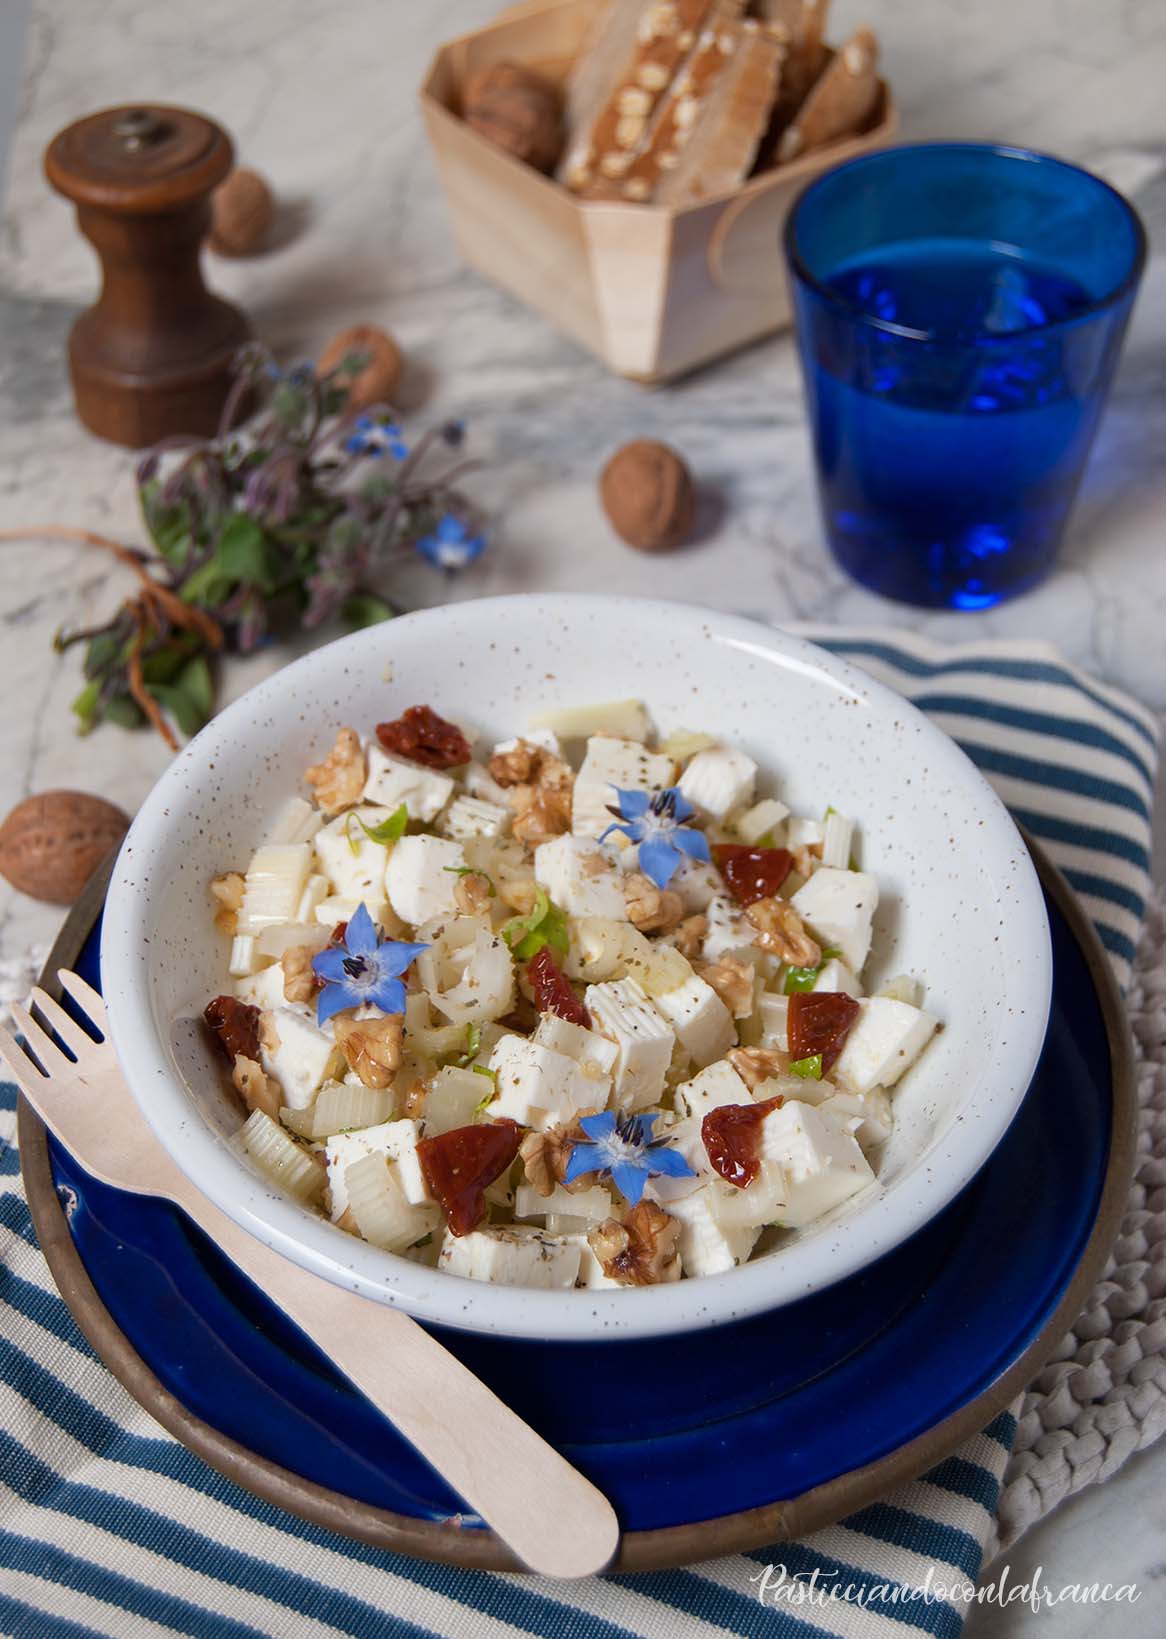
{"x": 949, "y": 1328}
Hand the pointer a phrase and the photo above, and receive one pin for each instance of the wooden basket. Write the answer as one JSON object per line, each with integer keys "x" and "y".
{"x": 652, "y": 290}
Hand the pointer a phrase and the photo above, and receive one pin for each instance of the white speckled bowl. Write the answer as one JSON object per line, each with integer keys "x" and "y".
{"x": 960, "y": 908}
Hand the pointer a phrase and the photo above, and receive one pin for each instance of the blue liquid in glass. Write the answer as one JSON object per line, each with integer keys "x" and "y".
{"x": 948, "y": 464}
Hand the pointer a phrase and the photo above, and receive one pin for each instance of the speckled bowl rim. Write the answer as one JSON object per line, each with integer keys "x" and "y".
{"x": 451, "y": 1544}
{"x": 872, "y": 1228}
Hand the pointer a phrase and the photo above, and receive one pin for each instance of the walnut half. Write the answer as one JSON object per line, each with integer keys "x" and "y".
{"x": 372, "y": 1047}
{"x": 299, "y": 981}
{"x": 227, "y": 893}
{"x": 733, "y": 980}
{"x": 757, "y": 1064}
{"x": 651, "y": 909}
{"x": 640, "y": 1251}
{"x": 338, "y": 781}
{"x": 779, "y": 929}
{"x": 545, "y": 1156}
{"x": 255, "y": 1087}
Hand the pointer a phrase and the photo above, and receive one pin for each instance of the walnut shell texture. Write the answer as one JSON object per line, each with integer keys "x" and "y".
{"x": 377, "y": 383}
{"x": 516, "y": 110}
{"x": 242, "y": 209}
{"x": 648, "y": 495}
{"x": 50, "y": 845}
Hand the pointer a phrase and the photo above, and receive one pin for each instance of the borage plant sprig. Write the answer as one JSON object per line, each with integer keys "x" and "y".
{"x": 293, "y": 519}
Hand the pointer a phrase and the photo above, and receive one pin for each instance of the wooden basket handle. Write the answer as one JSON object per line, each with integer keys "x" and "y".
{"x": 744, "y": 249}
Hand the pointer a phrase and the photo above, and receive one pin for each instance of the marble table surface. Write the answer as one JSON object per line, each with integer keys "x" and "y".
{"x": 321, "y": 98}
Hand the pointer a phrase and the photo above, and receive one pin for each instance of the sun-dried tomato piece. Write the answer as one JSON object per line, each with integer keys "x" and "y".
{"x": 819, "y": 1021}
{"x": 339, "y": 934}
{"x": 459, "y": 1166}
{"x": 752, "y": 873}
{"x": 234, "y": 1025}
{"x": 732, "y": 1138}
{"x": 552, "y": 989}
{"x": 424, "y": 737}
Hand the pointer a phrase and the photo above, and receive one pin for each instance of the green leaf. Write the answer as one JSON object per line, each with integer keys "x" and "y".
{"x": 197, "y": 684}
{"x": 809, "y": 1069}
{"x": 459, "y": 1061}
{"x": 361, "y": 609}
{"x": 207, "y": 586}
{"x": 104, "y": 651}
{"x": 546, "y": 925}
{"x": 85, "y": 706}
{"x": 390, "y": 830}
{"x": 802, "y": 978}
{"x": 244, "y": 553}
{"x": 169, "y": 526}
{"x": 488, "y": 1098}
{"x": 123, "y": 711}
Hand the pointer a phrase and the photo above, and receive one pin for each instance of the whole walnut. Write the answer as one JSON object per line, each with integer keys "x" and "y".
{"x": 648, "y": 495}
{"x": 517, "y": 110}
{"x": 378, "y": 380}
{"x": 51, "y": 845}
{"x": 242, "y": 209}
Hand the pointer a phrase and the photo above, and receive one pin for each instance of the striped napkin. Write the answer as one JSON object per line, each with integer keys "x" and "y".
{"x": 108, "y": 1526}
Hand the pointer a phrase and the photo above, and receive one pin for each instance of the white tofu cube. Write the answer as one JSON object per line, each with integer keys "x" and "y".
{"x": 610, "y": 763}
{"x": 620, "y": 1010}
{"x": 685, "y": 1138}
{"x": 421, "y": 877}
{"x": 591, "y": 1205}
{"x": 774, "y": 1014}
{"x": 580, "y": 878}
{"x": 512, "y": 1255}
{"x": 822, "y": 1165}
{"x": 302, "y": 1059}
{"x": 838, "y": 908}
{"x": 396, "y": 1141}
{"x": 719, "y": 780}
{"x": 703, "y": 1024}
{"x": 479, "y": 782}
{"x": 264, "y": 989}
{"x": 474, "y": 817}
{"x": 835, "y": 975}
{"x": 541, "y": 1088}
{"x": 837, "y": 838}
{"x": 709, "y": 1246}
{"x": 865, "y": 1116}
{"x": 761, "y": 820}
{"x": 717, "y": 1085}
{"x": 591, "y": 1270}
{"x": 393, "y": 781}
{"x": 698, "y": 882}
{"x": 885, "y": 1038}
{"x": 729, "y": 931}
{"x": 353, "y": 862}
{"x": 594, "y": 1054}
{"x": 336, "y": 908}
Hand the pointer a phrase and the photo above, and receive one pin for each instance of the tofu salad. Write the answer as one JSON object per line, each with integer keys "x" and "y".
{"x": 580, "y": 1009}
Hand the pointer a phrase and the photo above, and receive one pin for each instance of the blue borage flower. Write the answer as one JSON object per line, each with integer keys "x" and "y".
{"x": 451, "y": 546}
{"x": 657, "y": 822}
{"x": 372, "y": 437}
{"x": 363, "y": 970}
{"x": 627, "y": 1151}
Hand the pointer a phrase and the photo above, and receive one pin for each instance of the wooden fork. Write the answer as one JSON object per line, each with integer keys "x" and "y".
{"x": 553, "y": 1519}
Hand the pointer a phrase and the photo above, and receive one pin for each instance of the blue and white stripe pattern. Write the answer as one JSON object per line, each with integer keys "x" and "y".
{"x": 109, "y": 1527}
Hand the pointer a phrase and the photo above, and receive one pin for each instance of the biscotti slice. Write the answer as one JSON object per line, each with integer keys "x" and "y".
{"x": 619, "y": 79}
{"x": 802, "y": 25}
{"x": 841, "y": 102}
{"x": 722, "y": 145}
{"x": 634, "y": 176}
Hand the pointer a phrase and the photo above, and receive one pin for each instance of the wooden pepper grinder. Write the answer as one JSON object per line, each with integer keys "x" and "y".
{"x": 152, "y": 357}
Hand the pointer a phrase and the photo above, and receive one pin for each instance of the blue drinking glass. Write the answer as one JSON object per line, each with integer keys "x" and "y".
{"x": 960, "y": 310}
